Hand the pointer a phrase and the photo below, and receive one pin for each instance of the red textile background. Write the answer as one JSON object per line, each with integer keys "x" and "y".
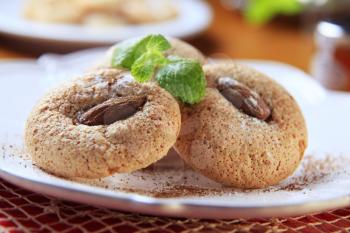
{"x": 25, "y": 211}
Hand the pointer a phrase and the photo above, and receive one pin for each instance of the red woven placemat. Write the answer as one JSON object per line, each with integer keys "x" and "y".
{"x": 25, "y": 211}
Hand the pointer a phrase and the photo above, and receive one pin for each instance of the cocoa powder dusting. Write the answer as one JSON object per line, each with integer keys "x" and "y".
{"x": 171, "y": 178}
{"x": 182, "y": 181}
{"x": 173, "y": 191}
{"x": 312, "y": 171}
{"x": 14, "y": 151}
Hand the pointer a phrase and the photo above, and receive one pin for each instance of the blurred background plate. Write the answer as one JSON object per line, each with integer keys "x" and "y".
{"x": 194, "y": 17}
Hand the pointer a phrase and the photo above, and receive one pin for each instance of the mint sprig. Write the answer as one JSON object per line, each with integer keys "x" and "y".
{"x": 183, "y": 78}
{"x": 144, "y": 67}
{"x": 126, "y": 53}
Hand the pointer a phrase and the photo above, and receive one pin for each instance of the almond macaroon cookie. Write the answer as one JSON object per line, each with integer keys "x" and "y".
{"x": 248, "y": 132}
{"x": 100, "y": 124}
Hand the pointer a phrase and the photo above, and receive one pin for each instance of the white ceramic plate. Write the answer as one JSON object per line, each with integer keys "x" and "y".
{"x": 322, "y": 182}
{"x": 194, "y": 17}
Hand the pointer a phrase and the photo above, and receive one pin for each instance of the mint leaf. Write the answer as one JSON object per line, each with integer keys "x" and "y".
{"x": 184, "y": 79}
{"x": 261, "y": 11}
{"x": 126, "y": 53}
{"x": 157, "y": 42}
{"x": 144, "y": 67}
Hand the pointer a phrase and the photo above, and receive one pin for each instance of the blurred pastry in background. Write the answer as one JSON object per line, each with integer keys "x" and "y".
{"x": 100, "y": 12}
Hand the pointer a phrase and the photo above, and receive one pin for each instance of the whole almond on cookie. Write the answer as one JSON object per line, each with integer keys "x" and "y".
{"x": 112, "y": 110}
{"x": 243, "y": 98}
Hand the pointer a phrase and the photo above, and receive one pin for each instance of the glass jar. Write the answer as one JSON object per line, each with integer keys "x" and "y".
{"x": 331, "y": 64}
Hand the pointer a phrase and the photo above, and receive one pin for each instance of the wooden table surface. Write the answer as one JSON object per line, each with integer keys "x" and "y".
{"x": 229, "y": 36}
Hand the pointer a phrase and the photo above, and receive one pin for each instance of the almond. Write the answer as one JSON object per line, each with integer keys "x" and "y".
{"x": 112, "y": 110}
{"x": 243, "y": 98}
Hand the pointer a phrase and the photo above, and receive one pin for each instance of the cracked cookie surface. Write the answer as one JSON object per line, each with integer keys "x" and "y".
{"x": 61, "y": 145}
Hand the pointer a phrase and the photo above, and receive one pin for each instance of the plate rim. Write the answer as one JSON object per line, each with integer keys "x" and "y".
{"x": 110, "y": 38}
{"x": 151, "y": 206}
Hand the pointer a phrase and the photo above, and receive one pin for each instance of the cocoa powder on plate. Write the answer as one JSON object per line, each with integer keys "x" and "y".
{"x": 178, "y": 180}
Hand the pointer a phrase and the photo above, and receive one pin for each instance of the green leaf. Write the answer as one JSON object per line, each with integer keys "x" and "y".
{"x": 184, "y": 79}
{"x": 144, "y": 67}
{"x": 157, "y": 42}
{"x": 126, "y": 53}
{"x": 261, "y": 11}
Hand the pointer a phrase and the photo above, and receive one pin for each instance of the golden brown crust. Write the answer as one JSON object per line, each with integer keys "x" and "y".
{"x": 61, "y": 146}
{"x": 238, "y": 150}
